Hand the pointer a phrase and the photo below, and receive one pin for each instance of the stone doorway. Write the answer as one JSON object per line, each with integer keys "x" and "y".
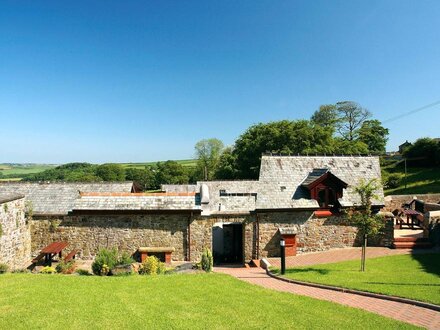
{"x": 227, "y": 243}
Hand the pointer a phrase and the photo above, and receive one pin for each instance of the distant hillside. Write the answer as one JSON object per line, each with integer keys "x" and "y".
{"x": 419, "y": 180}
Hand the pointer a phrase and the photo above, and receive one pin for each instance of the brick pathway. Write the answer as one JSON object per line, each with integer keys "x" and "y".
{"x": 403, "y": 312}
{"x": 337, "y": 255}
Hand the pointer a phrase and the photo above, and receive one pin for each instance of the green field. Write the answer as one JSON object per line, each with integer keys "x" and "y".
{"x": 184, "y": 162}
{"x": 419, "y": 180}
{"x": 411, "y": 276}
{"x": 200, "y": 301}
{"x": 21, "y": 169}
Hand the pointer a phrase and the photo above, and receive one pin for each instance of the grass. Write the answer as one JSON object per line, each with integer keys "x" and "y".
{"x": 183, "y": 162}
{"x": 21, "y": 169}
{"x": 411, "y": 276}
{"x": 175, "y": 301}
{"x": 419, "y": 181}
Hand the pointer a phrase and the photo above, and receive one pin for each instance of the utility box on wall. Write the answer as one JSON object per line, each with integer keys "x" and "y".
{"x": 289, "y": 236}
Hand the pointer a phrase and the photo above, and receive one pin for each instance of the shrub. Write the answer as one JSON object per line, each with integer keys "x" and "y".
{"x": 207, "y": 260}
{"x": 3, "y": 268}
{"x": 21, "y": 271}
{"x": 152, "y": 266}
{"x": 104, "y": 261}
{"x": 48, "y": 270}
{"x": 65, "y": 267}
{"x": 83, "y": 272}
{"x": 393, "y": 180}
{"x": 125, "y": 259}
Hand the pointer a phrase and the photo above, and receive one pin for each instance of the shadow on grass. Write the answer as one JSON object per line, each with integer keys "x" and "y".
{"x": 430, "y": 262}
{"x": 319, "y": 271}
{"x": 402, "y": 284}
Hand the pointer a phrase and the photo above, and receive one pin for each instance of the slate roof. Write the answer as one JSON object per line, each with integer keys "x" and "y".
{"x": 136, "y": 202}
{"x": 314, "y": 175}
{"x": 229, "y": 196}
{"x": 281, "y": 178}
{"x": 8, "y": 197}
{"x": 57, "y": 198}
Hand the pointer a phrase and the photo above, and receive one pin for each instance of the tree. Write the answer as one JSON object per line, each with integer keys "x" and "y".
{"x": 280, "y": 137}
{"x": 226, "y": 166}
{"x": 208, "y": 153}
{"x": 143, "y": 177}
{"x": 111, "y": 172}
{"x": 426, "y": 148}
{"x": 367, "y": 223}
{"x": 326, "y": 116}
{"x": 374, "y": 135}
{"x": 171, "y": 172}
{"x": 346, "y": 147}
{"x": 351, "y": 116}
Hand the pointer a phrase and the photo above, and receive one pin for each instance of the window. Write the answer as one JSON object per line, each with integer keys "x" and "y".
{"x": 326, "y": 197}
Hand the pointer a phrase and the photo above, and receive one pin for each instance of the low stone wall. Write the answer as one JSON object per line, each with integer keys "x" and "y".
{"x": 393, "y": 202}
{"x": 15, "y": 238}
{"x": 313, "y": 234}
{"x": 88, "y": 234}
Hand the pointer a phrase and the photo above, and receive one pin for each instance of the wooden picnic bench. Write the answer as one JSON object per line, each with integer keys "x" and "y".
{"x": 50, "y": 251}
{"x": 70, "y": 256}
{"x": 146, "y": 251}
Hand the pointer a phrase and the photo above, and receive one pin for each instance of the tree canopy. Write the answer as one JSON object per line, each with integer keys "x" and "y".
{"x": 208, "y": 152}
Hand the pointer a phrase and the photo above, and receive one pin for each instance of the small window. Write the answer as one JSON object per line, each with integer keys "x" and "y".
{"x": 326, "y": 198}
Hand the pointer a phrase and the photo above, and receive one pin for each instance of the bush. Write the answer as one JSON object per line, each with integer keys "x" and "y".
{"x": 207, "y": 260}
{"x": 393, "y": 180}
{"x": 109, "y": 259}
{"x": 65, "y": 267}
{"x": 152, "y": 266}
{"x": 125, "y": 259}
{"x": 3, "y": 268}
{"x": 104, "y": 261}
{"x": 21, "y": 271}
{"x": 48, "y": 270}
{"x": 83, "y": 272}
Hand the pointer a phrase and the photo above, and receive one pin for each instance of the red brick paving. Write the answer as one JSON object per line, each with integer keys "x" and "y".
{"x": 403, "y": 312}
{"x": 337, "y": 255}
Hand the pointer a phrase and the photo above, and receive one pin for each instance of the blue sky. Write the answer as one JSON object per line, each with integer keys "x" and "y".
{"x": 132, "y": 81}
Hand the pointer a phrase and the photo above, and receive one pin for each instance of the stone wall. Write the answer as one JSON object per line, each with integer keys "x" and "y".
{"x": 393, "y": 202}
{"x": 15, "y": 238}
{"x": 201, "y": 233}
{"x": 88, "y": 234}
{"x": 313, "y": 234}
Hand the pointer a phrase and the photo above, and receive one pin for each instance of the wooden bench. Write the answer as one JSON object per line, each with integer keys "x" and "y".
{"x": 70, "y": 256}
{"x": 145, "y": 251}
{"x": 38, "y": 258}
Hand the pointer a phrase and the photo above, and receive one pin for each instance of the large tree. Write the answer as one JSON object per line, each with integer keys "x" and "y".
{"x": 143, "y": 177}
{"x": 226, "y": 169}
{"x": 326, "y": 116}
{"x": 171, "y": 172}
{"x": 208, "y": 152}
{"x": 351, "y": 117}
{"x": 425, "y": 149}
{"x": 280, "y": 137}
{"x": 111, "y": 172}
{"x": 374, "y": 135}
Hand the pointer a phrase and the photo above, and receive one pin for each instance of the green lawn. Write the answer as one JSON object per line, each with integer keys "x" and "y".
{"x": 171, "y": 301}
{"x": 411, "y": 276}
{"x": 419, "y": 181}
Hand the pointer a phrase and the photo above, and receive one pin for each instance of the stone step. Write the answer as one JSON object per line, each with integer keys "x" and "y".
{"x": 412, "y": 245}
{"x": 255, "y": 263}
{"x": 410, "y": 239}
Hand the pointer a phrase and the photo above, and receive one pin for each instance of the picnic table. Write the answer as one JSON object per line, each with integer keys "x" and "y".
{"x": 412, "y": 218}
{"x": 50, "y": 251}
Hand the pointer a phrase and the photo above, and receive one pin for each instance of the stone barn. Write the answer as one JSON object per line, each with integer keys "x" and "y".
{"x": 300, "y": 198}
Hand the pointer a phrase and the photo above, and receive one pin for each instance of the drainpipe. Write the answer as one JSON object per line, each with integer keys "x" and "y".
{"x": 258, "y": 236}
{"x": 188, "y": 238}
